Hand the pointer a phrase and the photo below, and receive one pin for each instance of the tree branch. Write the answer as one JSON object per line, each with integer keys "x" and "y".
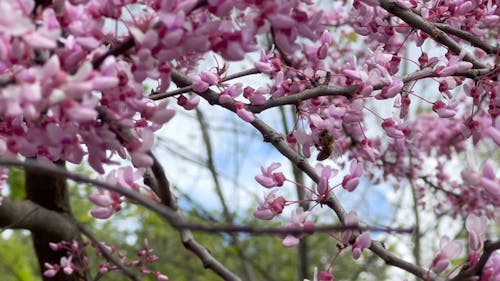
{"x": 348, "y": 91}
{"x": 437, "y": 34}
{"x": 31, "y": 216}
{"x": 187, "y": 89}
{"x": 391, "y": 259}
{"x": 476, "y": 42}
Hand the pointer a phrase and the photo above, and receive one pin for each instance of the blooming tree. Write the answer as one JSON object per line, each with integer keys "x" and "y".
{"x": 397, "y": 91}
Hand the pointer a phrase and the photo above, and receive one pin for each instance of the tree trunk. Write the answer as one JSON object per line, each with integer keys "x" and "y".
{"x": 50, "y": 192}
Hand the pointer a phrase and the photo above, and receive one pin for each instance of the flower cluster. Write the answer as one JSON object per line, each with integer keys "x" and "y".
{"x": 76, "y": 250}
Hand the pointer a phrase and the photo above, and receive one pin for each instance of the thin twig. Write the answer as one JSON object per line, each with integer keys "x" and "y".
{"x": 106, "y": 254}
{"x": 187, "y": 89}
{"x": 289, "y": 230}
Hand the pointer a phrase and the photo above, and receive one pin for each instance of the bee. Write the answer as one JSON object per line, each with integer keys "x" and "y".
{"x": 327, "y": 146}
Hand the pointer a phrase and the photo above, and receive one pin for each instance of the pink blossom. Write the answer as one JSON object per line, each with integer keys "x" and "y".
{"x": 298, "y": 219}
{"x": 231, "y": 92}
{"x": 270, "y": 207}
{"x": 351, "y": 181}
{"x": 126, "y": 177}
{"x": 243, "y": 113}
{"x": 362, "y": 242}
{"x": 391, "y": 90}
{"x": 306, "y": 140}
{"x": 81, "y": 113}
{"x": 269, "y": 179}
{"x": 139, "y": 149}
{"x": 405, "y": 107}
{"x": 326, "y": 276}
{"x": 449, "y": 251}
{"x": 199, "y": 85}
{"x": 188, "y": 103}
{"x": 102, "y": 212}
{"x": 51, "y": 270}
{"x": 325, "y": 40}
{"x": 489, "y": 180}
{"x": 454, "y": 64}
{"x": 66, "y": 265}
{"x": 391, "y": 129}
{"x": 326, "y": 173}
{"x": 161, "y": 114}
{"x": 145, "y": 40}
{"x": 209, "y": 77}
{"x": 354, "y": 113}
{"x": 443, "y": 110}
{"x": 267, "y": 63}
{"x": 100, "y": 83}
{"x": 256, "y": 97}
{"x": 161, "y": 277}
{"x": 494, "y": 134}
{"x": 322, "y": 276}
{"x": 102, "y": 199}
{"x": 476, "y": 226}
{"x": 55, "y": 246}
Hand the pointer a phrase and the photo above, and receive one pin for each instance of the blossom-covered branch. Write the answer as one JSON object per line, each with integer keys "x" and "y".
{"x": 438, "y": 35}
{"x": 277, "y": 140}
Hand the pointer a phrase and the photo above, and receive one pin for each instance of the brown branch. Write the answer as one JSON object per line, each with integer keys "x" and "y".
{"x": 156, "y": 179}
{"x": 31, "y": 216}
{"x": 322, "y": 90}
{"x": 393, "y": 260}
{"x": 288, "y": 230}
{"x": 348, "y": 91}
{"x": 187, "y": 89}
{"x": 437, "y": 34}
{"x": 476, "y": 42}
